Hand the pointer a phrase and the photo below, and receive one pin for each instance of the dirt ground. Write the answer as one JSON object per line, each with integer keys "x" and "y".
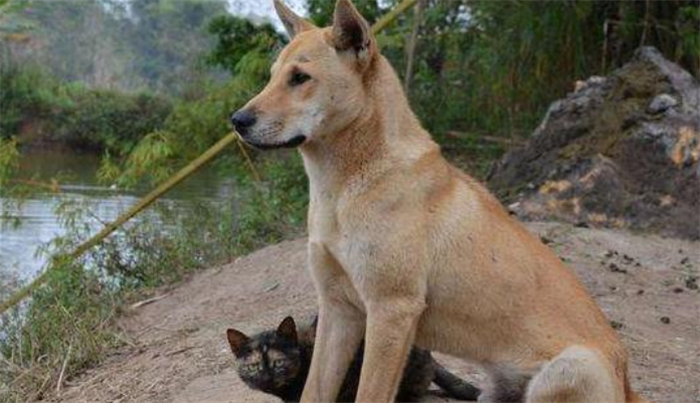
{"x": 176, "y": 351}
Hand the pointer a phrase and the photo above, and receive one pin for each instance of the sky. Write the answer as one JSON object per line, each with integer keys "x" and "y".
{"x": 264, "y": 9}
{"x": 259, "y": 9}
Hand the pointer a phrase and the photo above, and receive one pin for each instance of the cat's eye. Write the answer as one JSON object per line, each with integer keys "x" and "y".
{"x": 298, "y": 78}
{"x": 277, "y": 363}
{"x": 251, "y": 367}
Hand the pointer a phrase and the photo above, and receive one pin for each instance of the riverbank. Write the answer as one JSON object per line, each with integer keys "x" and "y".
{"x": 174, "y": 348}
{"x": 68, "y": 325}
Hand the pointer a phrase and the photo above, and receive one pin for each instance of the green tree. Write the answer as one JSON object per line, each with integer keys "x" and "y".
{"x": 238, "y": 42}
{"x": 321, "y": 11}
{"x": 168, "y": 38}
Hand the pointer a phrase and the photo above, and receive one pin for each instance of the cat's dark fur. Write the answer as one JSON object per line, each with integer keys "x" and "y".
{"x": 277, "y": 362}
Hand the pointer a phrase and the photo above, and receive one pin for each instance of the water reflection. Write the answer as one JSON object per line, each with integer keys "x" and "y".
{"x": 77, "y": 173}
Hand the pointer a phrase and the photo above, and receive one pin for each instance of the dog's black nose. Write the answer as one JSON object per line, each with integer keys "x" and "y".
{"x": 243, "y": 120}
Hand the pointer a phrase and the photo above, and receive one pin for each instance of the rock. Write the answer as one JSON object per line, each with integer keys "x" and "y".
{"x": 662, "y": 103}
{"x": 616, "y": 325}
{"x": 616, "y": 269}
{"x": 621, "y": 151}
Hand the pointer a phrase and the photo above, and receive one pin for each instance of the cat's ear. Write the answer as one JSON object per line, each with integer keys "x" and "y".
{"x": 292, "y": 22}
{"x": 288, "y": 329}
{"x": 236, "y": 340}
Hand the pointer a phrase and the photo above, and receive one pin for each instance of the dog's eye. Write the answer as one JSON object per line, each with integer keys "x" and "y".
{"x": 298, "y": 78}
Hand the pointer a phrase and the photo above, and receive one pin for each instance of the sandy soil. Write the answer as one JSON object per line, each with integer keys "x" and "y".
{"x": 176, "y": 351}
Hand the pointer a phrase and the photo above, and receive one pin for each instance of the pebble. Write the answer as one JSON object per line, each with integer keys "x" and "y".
{"x": 665, "y": 320}
{"x": 616, "y": 269}
{"x": 546, "y": 240}
{"x": 616, "y": 325}
{"x": 662, "y": 103}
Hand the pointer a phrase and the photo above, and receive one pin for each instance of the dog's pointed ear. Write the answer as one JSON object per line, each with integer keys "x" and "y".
{"x": 293, "y": 23}
{"x": 236, "y": 340}
{"x": 351, "y": 32}
{"x": 288, "y": 329}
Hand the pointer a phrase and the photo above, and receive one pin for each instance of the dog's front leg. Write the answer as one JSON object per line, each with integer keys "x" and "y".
{"x": 339, "y": 333}
{"x": 391, "y": 330}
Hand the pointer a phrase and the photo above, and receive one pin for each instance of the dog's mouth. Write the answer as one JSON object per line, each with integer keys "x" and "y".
{"x": 294, "y": 142}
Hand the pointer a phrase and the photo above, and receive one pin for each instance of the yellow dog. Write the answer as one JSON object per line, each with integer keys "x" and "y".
{"x": 405, "y": 248}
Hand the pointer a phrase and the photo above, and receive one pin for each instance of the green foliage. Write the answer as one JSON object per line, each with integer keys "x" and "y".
{"x": 9, "y": 159}
{"x": 239, "y": 40}
{"x": 195, "y": 125}
{"x": 128, "y": 45}
{"x": 8, "y": 14}
{"x": 26, "y": 91}
{"x": 321, "y": 11}
{"x": 67, "y": 322}
{"x": 493, "y": 67}
{"x": 102, "y": 119}
{"x": 274, "y": 209}
{"x": 36, "y": 105}
{"x": 168, "y": 38}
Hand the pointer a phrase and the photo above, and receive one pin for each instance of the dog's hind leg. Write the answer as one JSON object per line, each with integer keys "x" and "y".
{"x": 577, "y": 375}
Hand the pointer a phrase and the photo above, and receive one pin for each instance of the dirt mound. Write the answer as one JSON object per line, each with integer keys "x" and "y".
{"x": 621, "y": 151}
{"x": 175, "y": 347}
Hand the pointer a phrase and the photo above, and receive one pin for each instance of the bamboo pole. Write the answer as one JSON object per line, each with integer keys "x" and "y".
{"x": 389, "y": 17}
{"x": 180, "y": 176}
{"x": 412, "y": 45}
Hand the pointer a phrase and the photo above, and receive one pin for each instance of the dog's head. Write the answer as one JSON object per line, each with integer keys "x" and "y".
{"x": 317, "y": 83}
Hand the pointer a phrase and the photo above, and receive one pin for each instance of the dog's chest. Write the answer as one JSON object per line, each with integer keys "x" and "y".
{"x": 343, "y": 240}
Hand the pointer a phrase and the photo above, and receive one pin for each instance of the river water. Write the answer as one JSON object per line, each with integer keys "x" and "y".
{"x": 39, "y": 223}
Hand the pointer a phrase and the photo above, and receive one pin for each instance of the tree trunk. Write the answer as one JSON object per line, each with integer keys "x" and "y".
{"x": 412, "y": 44}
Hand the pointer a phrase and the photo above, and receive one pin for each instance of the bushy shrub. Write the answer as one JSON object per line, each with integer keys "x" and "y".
{"x": 73, "y": 114}
{"x": 101, "y": 119}
{"x": 26, "y": 93}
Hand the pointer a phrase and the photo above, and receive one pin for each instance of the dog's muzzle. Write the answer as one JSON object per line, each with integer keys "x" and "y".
{"x": 244, "y": 120}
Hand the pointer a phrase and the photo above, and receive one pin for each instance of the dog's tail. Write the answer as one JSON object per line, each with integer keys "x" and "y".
{"x": 453, "y": 385}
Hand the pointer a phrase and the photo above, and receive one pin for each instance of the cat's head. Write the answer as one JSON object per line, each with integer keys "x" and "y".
{"x": 268, "y": 361}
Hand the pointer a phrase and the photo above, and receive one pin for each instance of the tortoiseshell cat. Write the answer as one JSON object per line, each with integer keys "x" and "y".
{"x": 277, "y": 362}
